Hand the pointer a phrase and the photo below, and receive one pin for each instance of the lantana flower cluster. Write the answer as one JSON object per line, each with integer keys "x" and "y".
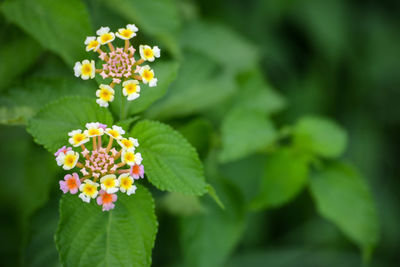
{"x": 102, "y": 170}
{"x": 119, "y": 64}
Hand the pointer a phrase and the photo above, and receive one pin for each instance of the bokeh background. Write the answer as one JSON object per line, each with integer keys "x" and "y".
{"x": 335, "y": 58}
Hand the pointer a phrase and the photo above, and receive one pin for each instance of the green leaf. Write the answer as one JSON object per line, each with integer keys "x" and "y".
{"x": 343, "y": 197}
{"x": 165, "y": 72}
{"x": 170, "y": 162}
{"x": 41, "y": 249}
{"x": 208, "y": 239}
{"x": 320, "y": 136}
{"x": 60, "y": 26}
{"x": 179, "y": 204}
{"x": 221, "y": 44}
{"x": 17, "y": 56}
{"x": 256, "y": 94}
{"x": 124, "y": 236}
{"x": 200, "y": 85}
{"x": 158, "y": 18}
{"x": 245, "y": 132}
{"x": 191, "y": 132}
{"x": 28, "y": 172}
{"x": 51, "y": 124}
{"x": 22, "y": 102}
{"x": 285, "y": 175}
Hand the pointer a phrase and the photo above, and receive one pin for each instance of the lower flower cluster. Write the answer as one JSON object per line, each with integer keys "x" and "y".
{"x": 103, "y": 167}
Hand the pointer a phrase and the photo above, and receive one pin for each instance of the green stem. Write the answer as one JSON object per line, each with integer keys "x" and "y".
{"x": 122, "y": 109}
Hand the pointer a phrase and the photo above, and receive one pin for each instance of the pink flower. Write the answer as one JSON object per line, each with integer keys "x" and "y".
{"x": 103, "y": 126}
{"x": 107, "y": 200}
{"x": 64, "y": 150}
{"x": 137, "y": 171}
{"x": 71, "y": 183}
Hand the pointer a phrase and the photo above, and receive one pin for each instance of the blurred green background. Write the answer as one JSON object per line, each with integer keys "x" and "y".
{"x": 334, "y": 58}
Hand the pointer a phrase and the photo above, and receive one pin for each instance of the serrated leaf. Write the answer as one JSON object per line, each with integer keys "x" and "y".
{"x": 208, "y": 239}
{"x": 165, "y": 72}
{"x": 158, "y": 18}
{"x": 60, "y": 26}
{"x": 320, "y": 136}
{"x": 245, "y": 132}
{"x": 200, "y": 85}
{"x": 285, "y": 175}
{"x": 51, "y": 124}
{"x": 124, "y": 236}
{"x": 170, "y": 162}
{"x": 343, "y": 197}
{"x": 228, "y": 48}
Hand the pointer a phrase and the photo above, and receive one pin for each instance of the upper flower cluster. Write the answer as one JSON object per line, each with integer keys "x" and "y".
{"x": 119, "y": 64}
{"x": 99, "y": 164}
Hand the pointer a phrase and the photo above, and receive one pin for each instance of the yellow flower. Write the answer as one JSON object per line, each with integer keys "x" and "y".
{"x": 105, "y": 94}
{"x": 105, "y": 36}
{"x": 77, "y": 138}
{"x": 128, "y": 32}
{"x": 85, "y": 70}
{"x": 109, "y": 183}
{"x": 92, "y": 43}
{"x": 131, "y": 89}
{"x": 148, "y": 53}
{"x": 89, "y": 190}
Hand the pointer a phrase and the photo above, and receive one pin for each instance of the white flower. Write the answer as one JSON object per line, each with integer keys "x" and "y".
{"x": 148, "y": 76}
{"x": 105, "y": 36}
{"x": 77, "y": 138}
{"x": 130, "y": 143}
{"x": 126, "y": 184}
{"x": 89, "y": 190}
{"x": 85, "y": 70}
{"x": 70, "y": 159}
{"x": 128, "y": 32}
{"x": 105, "y": 94}
{"x": 92, "y": 43}
{"x": 116, "y": 132}
{"x": 131, "y": 89}
{"x": 129, "y": 157}
{"x": 109, "y": 183}
{"x": 93, "y": 129}
{"x": 148, "y": 53}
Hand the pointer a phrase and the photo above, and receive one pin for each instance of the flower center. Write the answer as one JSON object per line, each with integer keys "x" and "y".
{"x": 86, "y": 69}
{"x": 148, "y": 75}
{"x": 148, "y": 52}
{"x": 135, "y": 169}
{"x": 71, "y": 183}
{"x": 107, "y": 198}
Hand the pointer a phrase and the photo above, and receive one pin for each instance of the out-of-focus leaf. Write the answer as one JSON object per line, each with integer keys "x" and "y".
{"x": 17, "y": 56}
{"x": 245, "y": 132}
{"x": 170, "y": 162}
{"x": 51, "y": 125}
{"x": 285, "y": 175}
{"x": 27, "y": 173}
{"x": 320, "y": 136}
{"x": 22, "y": 102}
{"x": 220, "y": 44}
{"x": 208, "y": 239}
{"x": 158, "y": 18}
{"x": 124, "y": 236}
{"x": 41, "y": 248}
{"x": 179, "y": 204}
{"x": 299, "y": 257}
{"x": 200, "y": 141}
{"x": 165, "y": 72}
{"x": 200, "y": 85}
{"x": 256, "y": 94}
{"x": 60, "y": 26}
{"x": 343, "y": 197}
